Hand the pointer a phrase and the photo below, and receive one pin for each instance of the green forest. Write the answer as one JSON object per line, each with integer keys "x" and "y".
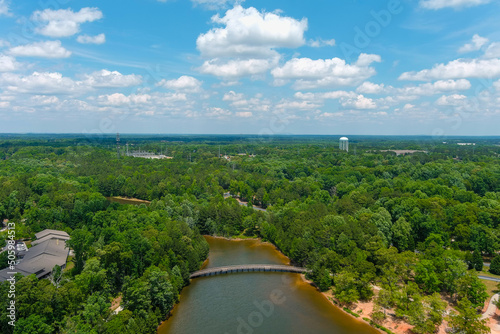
{"x": 417, "y": 226}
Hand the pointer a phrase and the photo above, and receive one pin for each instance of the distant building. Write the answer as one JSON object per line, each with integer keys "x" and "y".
{"x": 344, "y": 144}
{"x": 466, "y": 144}
{"x": 49, "y": 250}
{"x": 404, "y": 152}
{"x": 147, "y": 155}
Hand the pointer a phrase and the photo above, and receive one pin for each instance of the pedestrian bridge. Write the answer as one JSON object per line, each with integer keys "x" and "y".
{"x": 247, "y": 268}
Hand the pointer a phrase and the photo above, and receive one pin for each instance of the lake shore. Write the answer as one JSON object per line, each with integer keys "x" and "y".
{"x": 328, "y": 295}
{"x": 364, "y": 309}
{"x": 127, "y": 199}
{"x": 398, "y": 326}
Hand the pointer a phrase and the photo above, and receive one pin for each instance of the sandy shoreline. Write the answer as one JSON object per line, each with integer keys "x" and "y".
{"x": 249, "y": 239}
{"x": 236, "y": 239}
{"x": 364, "y": 309}
{"x": 130, "y": 199}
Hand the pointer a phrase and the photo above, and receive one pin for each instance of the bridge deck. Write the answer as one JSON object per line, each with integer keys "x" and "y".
{"x": 247, "y": 268}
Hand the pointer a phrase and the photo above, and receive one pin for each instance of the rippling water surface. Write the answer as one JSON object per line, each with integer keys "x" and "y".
{"x": 259, "y": 302}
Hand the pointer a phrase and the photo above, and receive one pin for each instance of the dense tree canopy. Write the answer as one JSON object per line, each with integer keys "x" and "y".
{"x": 413, "y": 225}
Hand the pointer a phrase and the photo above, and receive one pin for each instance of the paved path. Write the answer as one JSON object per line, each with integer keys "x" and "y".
{"x": 492, "y": 308}
{"x": 487, "y": 278}
{"x": 118, "y": 310}
{"x": 226, "y": 195}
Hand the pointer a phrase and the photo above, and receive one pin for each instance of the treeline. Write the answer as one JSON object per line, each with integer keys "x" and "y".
{"x": 414, "y": 226}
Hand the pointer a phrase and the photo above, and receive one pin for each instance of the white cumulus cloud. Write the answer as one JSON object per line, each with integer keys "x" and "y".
{"x": 309, "y": 73}
{"x": 446, "y": 85}
{"x": 86, "y": 39}
{"x": 105, "y": 78}
{"x": 235, "y": 68}
{"x": 244, "y": 114}
{"x": 183, "y": 83}
{"x": 246, "y": 42}
{"x": 64, "y": 22}
{"x": 250, "y": 33}
{"x": 496, "y": 84}
{"x": 360, "y": 102}
{"x": 217, "y": 112}
{"x": 451, "y": 100}
{"x": 297, "y": 105}
{"x": 337, "y": 94}
{"x": 4, "y": 8}
{"x": 459, "y": 68}
{"x": 493, "y": 50}
{"x": 8, "y": 63}
{"x": 476, "y": 44}
{"x": 41, "y": 83}
{"x": 48, "y": 49}
{"x": 233, "y": 96}
{"x": 426, "y": 89}
{"x": 44, "y": 99}
{"x": 118, "y": 99}
{"x": 140, "y": 99}
{"x": 318, "y": 43}
{"x": 370, "y": 88}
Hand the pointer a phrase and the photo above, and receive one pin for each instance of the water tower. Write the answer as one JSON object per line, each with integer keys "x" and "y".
{"x": 344, "y": 144}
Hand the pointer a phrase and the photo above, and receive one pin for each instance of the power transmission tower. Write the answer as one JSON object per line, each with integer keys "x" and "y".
{"x": 118, "y": 145}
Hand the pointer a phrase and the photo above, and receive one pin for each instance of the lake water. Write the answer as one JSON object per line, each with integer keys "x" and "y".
{"x": 255, "y": 302}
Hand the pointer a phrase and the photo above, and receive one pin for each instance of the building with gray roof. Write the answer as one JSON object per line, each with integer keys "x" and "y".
{"x": 48, "y": 251}
{"x": 48, "y": 235}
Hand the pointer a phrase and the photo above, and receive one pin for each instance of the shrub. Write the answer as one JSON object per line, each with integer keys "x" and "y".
{"x": 495, "y": 265}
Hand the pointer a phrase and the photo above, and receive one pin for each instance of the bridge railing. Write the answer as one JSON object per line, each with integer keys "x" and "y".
{"x": 247, "y": 268}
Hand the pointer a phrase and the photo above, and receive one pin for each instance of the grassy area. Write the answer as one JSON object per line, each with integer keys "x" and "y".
{"x": 243, "y": 236}
{"x": 491, "y": 287}
{"x": 485, "y": 272}
{"x": 247, "y": 234}
{"x": 69, "y": 264}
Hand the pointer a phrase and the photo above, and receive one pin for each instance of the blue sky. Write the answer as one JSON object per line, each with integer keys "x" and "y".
{"x": 414, "y": 67}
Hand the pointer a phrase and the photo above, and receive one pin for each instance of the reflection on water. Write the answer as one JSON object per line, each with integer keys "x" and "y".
{"x": 255, "y": 302}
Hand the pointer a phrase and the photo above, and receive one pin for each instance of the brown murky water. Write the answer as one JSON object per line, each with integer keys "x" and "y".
{"x": 259, "y": 302}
